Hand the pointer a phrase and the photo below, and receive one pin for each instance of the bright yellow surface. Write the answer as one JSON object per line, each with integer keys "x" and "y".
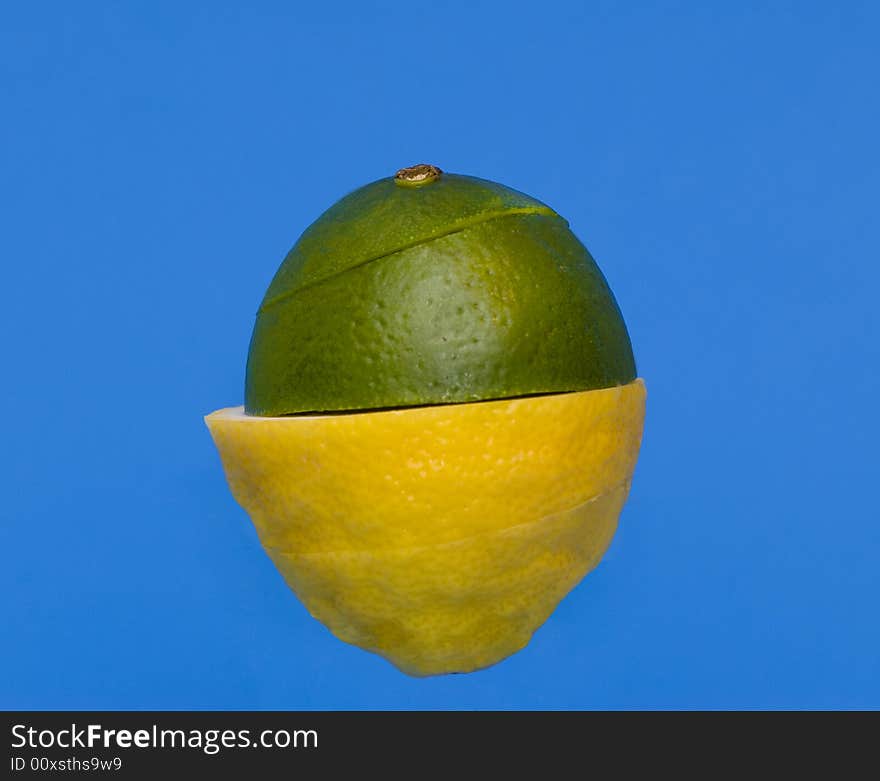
{"x": 440, "y": 537}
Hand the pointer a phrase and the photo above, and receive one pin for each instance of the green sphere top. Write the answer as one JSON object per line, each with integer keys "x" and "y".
{"x": 433, "y": 288}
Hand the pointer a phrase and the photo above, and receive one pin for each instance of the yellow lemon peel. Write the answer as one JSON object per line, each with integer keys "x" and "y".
{"x": 440, "y": 537}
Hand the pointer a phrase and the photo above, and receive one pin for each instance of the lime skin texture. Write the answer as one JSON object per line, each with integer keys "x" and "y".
{"x": 455, "y": 290}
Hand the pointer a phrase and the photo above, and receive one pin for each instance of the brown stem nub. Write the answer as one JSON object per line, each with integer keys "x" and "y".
{"x": 417, "y": 175}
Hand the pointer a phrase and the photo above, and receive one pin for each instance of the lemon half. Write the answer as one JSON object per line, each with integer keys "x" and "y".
{"x": 440, "y": 537}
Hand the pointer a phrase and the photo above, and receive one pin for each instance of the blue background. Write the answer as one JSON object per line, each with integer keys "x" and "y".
{"x": 719, "y": 159}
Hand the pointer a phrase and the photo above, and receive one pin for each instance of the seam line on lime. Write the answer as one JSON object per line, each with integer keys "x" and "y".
{"x": 544, "y": 211}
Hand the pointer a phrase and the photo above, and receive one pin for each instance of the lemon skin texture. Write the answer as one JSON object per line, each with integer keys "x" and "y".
{"x": 456, "y": 291}
{"x": 439, "y": 537}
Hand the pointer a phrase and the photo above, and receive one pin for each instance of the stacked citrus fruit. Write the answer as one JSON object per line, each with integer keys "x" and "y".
{"x": 441, "y": 419}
